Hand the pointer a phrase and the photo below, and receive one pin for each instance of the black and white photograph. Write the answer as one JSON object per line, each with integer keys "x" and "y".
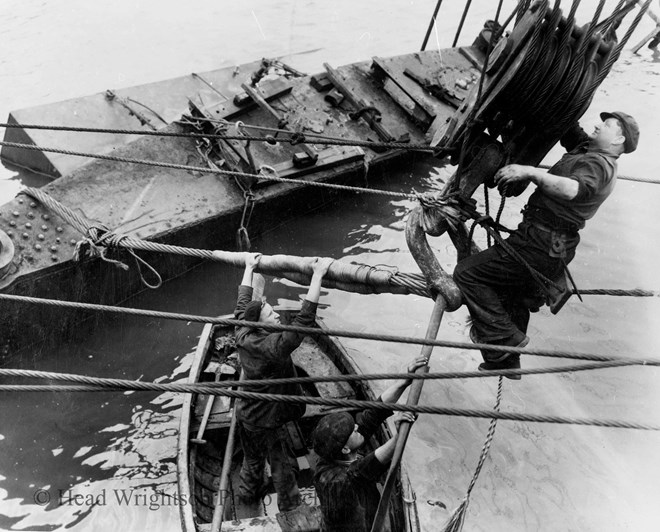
{"x": 347, "y": 266}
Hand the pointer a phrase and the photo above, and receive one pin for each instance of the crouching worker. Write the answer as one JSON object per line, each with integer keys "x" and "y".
{"x": 345, "y": 482}
{"x": 265, "y": 355}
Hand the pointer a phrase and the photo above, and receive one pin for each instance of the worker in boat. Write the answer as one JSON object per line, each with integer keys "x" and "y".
{"x": 345, "y": 482}
{"x": 498, "y": 290}
{"x": 265, "y": 355}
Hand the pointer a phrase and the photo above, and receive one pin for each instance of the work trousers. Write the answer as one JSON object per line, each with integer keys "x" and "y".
{"x": 499, "y": 291}
{"x": 273, "y": 445}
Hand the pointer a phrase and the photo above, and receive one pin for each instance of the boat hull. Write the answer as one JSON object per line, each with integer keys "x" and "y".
{"x": 199, "y": 464}
{"x": 175, "y": 204}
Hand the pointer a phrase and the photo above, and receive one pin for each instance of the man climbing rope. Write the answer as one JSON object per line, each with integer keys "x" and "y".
{"x": 498, "y": 289}
{"x": 266, "y": 355}
{"x": 346, "y": 483}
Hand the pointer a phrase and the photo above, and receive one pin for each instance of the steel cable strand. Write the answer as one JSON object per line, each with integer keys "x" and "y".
{"x": 318, "y": 139}
{"x": 562, "y": 57}
{"x": 359, "y": 404}
{"x": 619, "y": 177}
{"x": 571, "y": 82}
{"x": 528, "y": 75}
{"x": 636, "y": 292}
{"x": 457, "y": 518}
{"x": 315, "y": 138}
{"x": 584, "y": 41}
{"x": 126, "y": 384}
{"x": 494, "y": 36}
{"x": 614, "y": 56}
{"x": 315, "y": 331}
{"x": 484, "y": 89}
{"x": 560, "y": 92}
{"x": 585, "y": 90}
{"x": 579, "y": 106}
{"x": 541, "y": 70}
{"x": 206, "y": 170}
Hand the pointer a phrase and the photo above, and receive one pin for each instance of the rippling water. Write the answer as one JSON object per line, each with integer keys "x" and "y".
{"x": 116, "y": 452}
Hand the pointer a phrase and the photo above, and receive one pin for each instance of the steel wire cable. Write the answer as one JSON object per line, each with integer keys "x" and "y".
{"x": 360, "y": 404}
{"x": 128, "y": 384}
{"x": 291, "y": 136}
{"x": 314, "y": 331}
{"x": 206, "y": 170}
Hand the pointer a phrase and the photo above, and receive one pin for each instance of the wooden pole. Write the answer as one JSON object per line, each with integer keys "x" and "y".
{"x": 404, "y": 428}
{"x": 431, "y": 24}
{"x": 651, "y": 35}
{"x": 205, "y": 418}
{"x": 219, "y": 510}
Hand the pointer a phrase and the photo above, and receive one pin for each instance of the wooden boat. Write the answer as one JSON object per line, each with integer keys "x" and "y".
{"x": 200, "y": 463}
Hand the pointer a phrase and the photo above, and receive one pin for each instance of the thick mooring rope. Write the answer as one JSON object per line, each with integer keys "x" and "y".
{"x": 358, "y": 278}
{"x": 349, "y": 277}
{"x": 455, "y": 523}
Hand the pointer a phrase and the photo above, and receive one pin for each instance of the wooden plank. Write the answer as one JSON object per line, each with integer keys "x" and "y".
{"x": 328, "y": 159}
{"x": 257, "y": 97}
{"x": 227, "y": 109}
{"x": 341, "y": 85}
{"x": 412, "y": 90}
{"x": 310, "y": 358}
{"x": 406, "y": 103}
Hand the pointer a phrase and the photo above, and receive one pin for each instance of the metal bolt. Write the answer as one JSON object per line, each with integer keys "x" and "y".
{"x": 10, "y": 234}
{"x": 28, "y": 225}
{"x": 59, "y": 229}
{"x": 44, "y": 228}
{"x": 33, "y": 204}
{"x": 26, "y": 236}
{"x": 58, "y": 240}
{"x": 54, "y": 258}
{"x": 12, "y": 223}
{"x": 45, "y": 216}
{"x": 37, "y": 247}
{"x": 20, "y": 200}
{"x": 40, "y": 236}
{"x": 72, "y": 242}
{"x": 53, "y": 248}
{"x": 16, "y": 214}
{"x": 30, "y": 215}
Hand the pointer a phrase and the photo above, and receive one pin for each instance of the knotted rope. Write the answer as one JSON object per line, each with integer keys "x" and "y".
{"x": 455, "y": 523}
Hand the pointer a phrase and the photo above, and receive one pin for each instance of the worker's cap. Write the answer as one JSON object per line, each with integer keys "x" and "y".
{"x": 628, "y": 126}
{"x": 332, "y": 433}
{"x": 253, "y": 310}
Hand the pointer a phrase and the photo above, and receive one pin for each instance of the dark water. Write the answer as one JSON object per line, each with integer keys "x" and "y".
{"x": 117, "y": 451}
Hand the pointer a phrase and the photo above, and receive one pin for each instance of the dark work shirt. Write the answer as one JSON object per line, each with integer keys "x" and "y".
{"x": 595, "y": 172}
{"x": 347, "y": 490}
{"x": 266, "y": 355}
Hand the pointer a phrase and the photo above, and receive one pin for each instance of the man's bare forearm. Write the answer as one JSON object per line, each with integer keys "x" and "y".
{"x": 554, "y": 185}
